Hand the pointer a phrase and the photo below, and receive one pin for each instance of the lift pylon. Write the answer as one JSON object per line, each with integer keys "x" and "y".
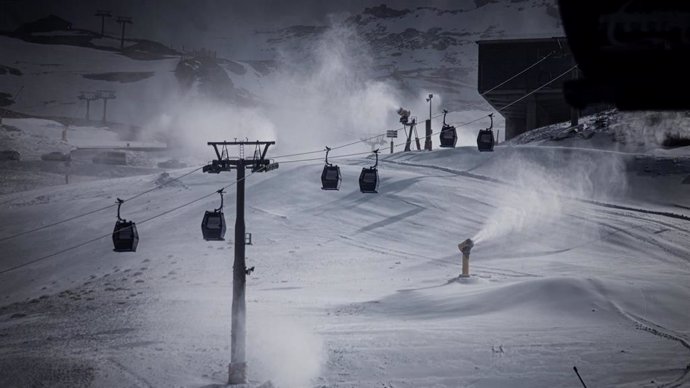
{"x": 237, "y": 369}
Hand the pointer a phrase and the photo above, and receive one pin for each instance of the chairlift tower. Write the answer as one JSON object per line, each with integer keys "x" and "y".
{"x": 237, "y": 369}
{"x": 88, "y": 97}
{"x": 105, "y": 95}
{"x": 103, "y": 14}
{"x": 123, "y": 20}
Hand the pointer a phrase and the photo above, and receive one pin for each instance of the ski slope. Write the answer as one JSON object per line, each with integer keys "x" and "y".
{"x": 579, "y": 260}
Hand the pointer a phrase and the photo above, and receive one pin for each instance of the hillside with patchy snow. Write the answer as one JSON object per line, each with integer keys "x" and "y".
{"x": 428, "y": 49}
{"x": 413, "y": 51}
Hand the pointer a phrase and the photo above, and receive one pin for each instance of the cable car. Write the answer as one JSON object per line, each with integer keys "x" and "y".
{"x": 213, "y": 225}
{"x": 125, "y": 235}
{"x": 369, "y": 177}
{"x": 485, "y": 138}
{"x": 448, "y": 136}
{"x": 330, "y": 176}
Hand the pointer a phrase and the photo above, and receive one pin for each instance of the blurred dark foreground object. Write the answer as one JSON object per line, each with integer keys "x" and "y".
{"x": 632, "y": 53}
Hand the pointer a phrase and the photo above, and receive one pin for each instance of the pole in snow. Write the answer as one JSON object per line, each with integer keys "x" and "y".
{"x": 88, "y": 97}
{"x": 392, "y": 134}
{"x": 428, "y": 99}
{"x": 578, "y": 376}
{"x": 237, "y": 370}
{"x": 123, "y": 20}
{"x": 105, "y": 95}
{"x": 103, "y": 14}
{"x": 427, "y": 141}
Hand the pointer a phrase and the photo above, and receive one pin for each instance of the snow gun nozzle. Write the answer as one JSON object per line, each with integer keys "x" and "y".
{"x": 466, "y": 246}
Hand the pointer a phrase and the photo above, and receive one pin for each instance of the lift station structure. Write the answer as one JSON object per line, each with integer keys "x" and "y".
{"x": 527, "y": 64}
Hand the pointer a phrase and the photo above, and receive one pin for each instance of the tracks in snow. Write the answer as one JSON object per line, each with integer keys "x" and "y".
{"x": 501, "y": 182}
{"x": 659, "y": 331}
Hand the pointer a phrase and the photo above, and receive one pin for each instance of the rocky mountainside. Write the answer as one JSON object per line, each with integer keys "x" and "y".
{"x": 356, "y": 65}
{"x": 429, "y": 49}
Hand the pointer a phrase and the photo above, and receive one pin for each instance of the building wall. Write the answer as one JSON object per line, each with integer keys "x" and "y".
{"x": 500, "y": 60}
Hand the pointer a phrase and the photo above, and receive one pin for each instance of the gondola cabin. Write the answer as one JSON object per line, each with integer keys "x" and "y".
{"x": 448, "y": 136}
{"x": 369, "y": 180}
{"x": 125, "y": 235}
{"x": 369, "y": 177}
{"x": 213, "y": 226}
{"x": 485, "y": 140}
{"x": 330, "y": 178}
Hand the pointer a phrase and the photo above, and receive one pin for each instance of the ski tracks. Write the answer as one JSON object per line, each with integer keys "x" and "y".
{"x": 499, "y": 181}
{"x": 136, "y": 379}
{"x": 656, "y": 329}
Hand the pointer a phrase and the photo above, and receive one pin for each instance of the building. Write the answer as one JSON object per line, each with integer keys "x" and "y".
{"x": 499, "y": 60}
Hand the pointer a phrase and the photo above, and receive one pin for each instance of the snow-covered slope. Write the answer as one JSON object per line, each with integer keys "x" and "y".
{"x": 53, "y": 76}
{"x": 582, "y": 235}
{"x": 578, "y": 262}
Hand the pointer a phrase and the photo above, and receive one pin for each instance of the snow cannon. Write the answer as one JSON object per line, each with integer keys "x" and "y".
{"x": 465, "y": 247}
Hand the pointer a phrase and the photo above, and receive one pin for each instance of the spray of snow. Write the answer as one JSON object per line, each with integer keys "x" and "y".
{"x": 524, "y": 207}
{"x": 283, "y": 351}
{"x": 542, "y": 192}
{"x": 325, "y": 94}
{"x": 644, "y": 131}
{"x": 196, "y": 120}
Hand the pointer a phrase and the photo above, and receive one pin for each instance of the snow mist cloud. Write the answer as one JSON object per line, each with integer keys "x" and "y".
{"x": 195, "y": 120}
{"x": 322, "y": 94}
{"x": 542, "y": 188}
{"x": 283, "y": 351}
{"x": 644, "y": 131}
{"x": 326, "y": 93}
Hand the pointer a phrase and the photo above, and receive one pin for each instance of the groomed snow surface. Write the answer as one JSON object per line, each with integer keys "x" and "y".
{"x": 361, "y": 290}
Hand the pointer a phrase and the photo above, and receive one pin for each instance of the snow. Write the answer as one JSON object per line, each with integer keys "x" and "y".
{"x": 53, "y": 77}
{"x": 581, "y": 257}
{"x": 361, "y": 290}
{"x": 34, "y": 137}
